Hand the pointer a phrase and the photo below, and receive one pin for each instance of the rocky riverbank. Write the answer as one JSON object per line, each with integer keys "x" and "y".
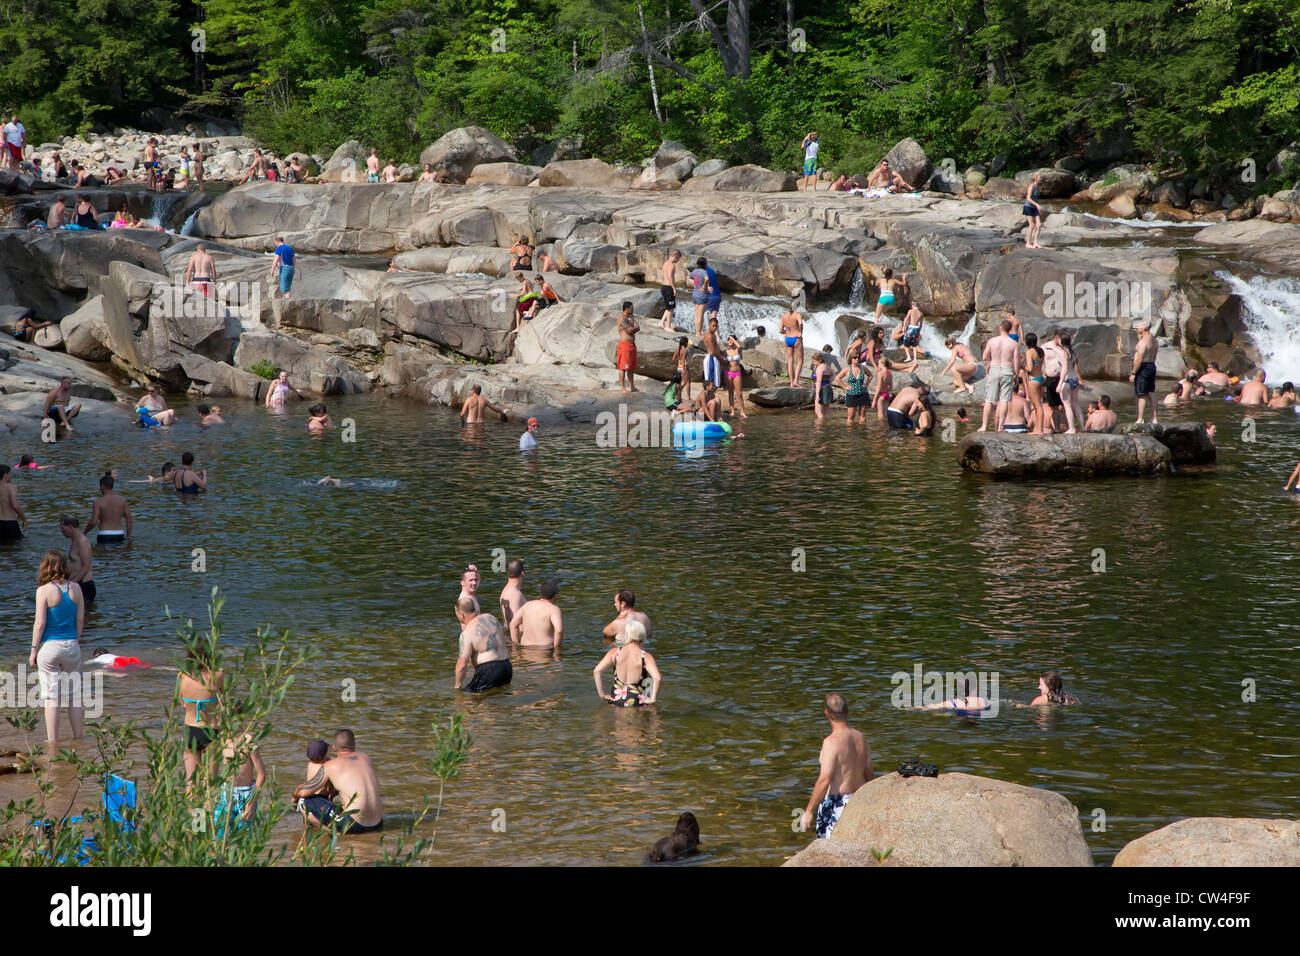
{"x": 441, "y": 320}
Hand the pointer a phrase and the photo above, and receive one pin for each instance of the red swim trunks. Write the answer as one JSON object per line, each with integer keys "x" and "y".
{"x": 626, "y": 357}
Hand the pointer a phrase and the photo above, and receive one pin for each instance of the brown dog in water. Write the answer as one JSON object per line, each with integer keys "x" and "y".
{"x": 685, "y": 841}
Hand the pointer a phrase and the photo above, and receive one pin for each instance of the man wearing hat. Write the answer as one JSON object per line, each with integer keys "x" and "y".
{"x": 1144, "y": 369}
{"x": 528, "y": 440}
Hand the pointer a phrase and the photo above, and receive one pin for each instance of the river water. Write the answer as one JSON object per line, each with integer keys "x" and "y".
{"x": 907, "y": 561}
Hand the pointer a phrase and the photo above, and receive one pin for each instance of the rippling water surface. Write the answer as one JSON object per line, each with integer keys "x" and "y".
{"x": 908, "y": 561}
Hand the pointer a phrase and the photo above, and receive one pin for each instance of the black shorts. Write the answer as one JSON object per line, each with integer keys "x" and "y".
{"x": 330, "y": 813}
{"x": 10, "y": 531}
{"x": 1144, "y": 381}
{"x": 489, "y": 675}
{"x": 669, "y": 296}
{"x": 196, "y": 739}
{"x": 861, "y": 400}
{"x": 827, "y": 394}
{"x": 1050, "y": 383}
{"x": 898, "y": 420}
{"x": 87, "y": 591}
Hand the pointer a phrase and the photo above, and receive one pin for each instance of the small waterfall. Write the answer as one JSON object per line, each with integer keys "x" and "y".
{"x": 1272, "y": 318}
{"x": 188, "y": 228}
{"x": 857, "y": 289}
{"x": 741, "y": 315}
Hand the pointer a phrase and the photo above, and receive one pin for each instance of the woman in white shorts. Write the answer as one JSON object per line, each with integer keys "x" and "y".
{"x": 56, "y": 641}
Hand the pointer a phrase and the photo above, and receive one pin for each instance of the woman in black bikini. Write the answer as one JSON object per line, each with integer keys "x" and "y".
{"x": 188, "y": 481}
{"x": 633, "y": 674}
{"x": 85, "y": 217}
{"x": 521, "y": 255}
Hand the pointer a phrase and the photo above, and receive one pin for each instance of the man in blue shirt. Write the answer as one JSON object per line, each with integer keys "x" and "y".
{"x": 283, "y": 264}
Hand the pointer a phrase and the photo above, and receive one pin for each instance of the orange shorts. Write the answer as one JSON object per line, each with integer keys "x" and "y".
{"x": 626, "y": 357}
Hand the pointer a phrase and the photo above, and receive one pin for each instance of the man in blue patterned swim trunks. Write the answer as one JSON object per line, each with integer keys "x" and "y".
{"x": 845, "y": 766}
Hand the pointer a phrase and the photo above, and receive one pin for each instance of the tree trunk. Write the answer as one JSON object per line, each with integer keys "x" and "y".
{"x": 649, "y": 64}
{"x": 733, "y": 47}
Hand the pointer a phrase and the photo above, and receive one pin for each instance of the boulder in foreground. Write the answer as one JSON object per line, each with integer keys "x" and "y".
{"x": 959, "y": 819}
{"x": 1082, "y": 455}
{"x": 1216, "y": 841}
{"x": 1188, "y": 442}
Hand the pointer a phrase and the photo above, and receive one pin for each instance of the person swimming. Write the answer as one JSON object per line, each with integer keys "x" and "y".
{"x": 186, "y": 479}
{"x": 1052, "y": 691}
{"x": 114, "y": 662}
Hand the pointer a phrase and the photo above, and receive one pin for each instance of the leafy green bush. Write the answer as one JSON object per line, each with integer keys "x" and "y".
{"x": 264, "y": 369}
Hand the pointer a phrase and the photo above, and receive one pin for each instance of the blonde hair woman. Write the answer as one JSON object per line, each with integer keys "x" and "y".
{"x": 56, "y": 639}
{"x": 633, "y": 671}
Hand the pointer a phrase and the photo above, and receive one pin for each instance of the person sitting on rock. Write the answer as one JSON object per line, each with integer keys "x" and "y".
{"x": 962, "y": 365}
{"x": 528, "y": 302}
{"x": 25, "y": 328}
{"x": 707, "y": 404}
{"x": 546, "y": 295}
{"x": 1102, "y": 419}
{"x": 840, "y": 185}
{"x": 256, "y": 169}
{"x": 884, "y": 177}
{"x": 521, "y": 255}
{"x": 428, "y": 176}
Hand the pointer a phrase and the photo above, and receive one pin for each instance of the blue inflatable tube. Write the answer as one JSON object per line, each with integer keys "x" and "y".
{"x": 697, "y": 430}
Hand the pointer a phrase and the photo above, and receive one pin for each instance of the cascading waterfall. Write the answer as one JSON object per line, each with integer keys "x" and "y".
{"x": 1272, "y": 317}
{"x": 857, "y": 290}
{"x": 188, "y": 228}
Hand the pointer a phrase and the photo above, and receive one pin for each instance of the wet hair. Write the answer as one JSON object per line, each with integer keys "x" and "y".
{"x": 187, "y": 459}
{"x": 950, "y": 341}
{"x": 23, "y": 461}
{"x": 627, "y": 306}
{"x": 204, "y": 410}
{"x": 836, "y": 706}
{"x": 549, "y": 589}
{"x": 54, "y": 567}
{"x": 889, "y": 273}
{"x": 316, "y": 409}
{"x": 961, "y": 412}
{"x": 683, "y": 341}
{"x": 515, "y": 568}
{"x": 626, "y": 597}
{"x": 99, "y": 651}
{"x": 676, "y": 379}
{"x": 345, "y": 740}
{"x": 760, "y": 331}
{"x": 106, "y": 482}
{"x": 69, "y": 521}
{"x": 1104, "y": 401}
{"x": 1055, "y": 688}
{"x": 466, "y": 605}
{"x": 1031, "y": 340}
{"x": 167, "y": 467}
{"x": 684, "y": 841}
{"x": 923, "y": 389}
{"x": 633, "y": 631}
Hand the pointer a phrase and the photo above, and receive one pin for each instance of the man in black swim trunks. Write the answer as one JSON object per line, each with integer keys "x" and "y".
{"x": 483, "y": 646}
{"x": 668, "y": 289}
{"x": 80, "y": 565}
{"x": 10, "y": 512}
{"x": 1144, "y": 370}
{"x": 1053, "y": 363}
{"x": 360, "y": 808}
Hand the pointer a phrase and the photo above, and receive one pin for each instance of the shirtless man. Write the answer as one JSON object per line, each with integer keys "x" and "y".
{"x": 845, "y": 766}
{"x": 1213, "y": 376}
{"x": 1053, "y": 363}
{"x": 12, "y": 520}
{"x": 1143, "y": 376}
{"x": 56, "y": 404}
{"x": 1255, "y": 392}
{"x": 712, "y": 355}
{"x": 539, "y": 623}
{"x": 906, "y": 403}
{"x": 80, "y": 566}
{"x": 908, "y": 332}
{"x": 512, "y": 595}
{"x": 151, "y": 163}
{"x": 111, "y": 513}
{"x": 202, "y": 270}
{"x": 256, "y": 169}
{"x": 546, "y": 263}
{"x": 1016, "y": 421}
{"x": 58, "y": 214}
{"x": 360, "y": 808}
{"x": 625, "y": 605}
{"x": 471, "y": 412}
{"x": 1002, "y": 358}
{"x": 884, "y": 177}
{"x": 482, "y": 646}
{"x": 1103, "y": 419}
{"x": 792, "y": 330}
{"x": 469, "y": 582}
{"x": 668, "y": 289}
{"x": 626, "y": 355}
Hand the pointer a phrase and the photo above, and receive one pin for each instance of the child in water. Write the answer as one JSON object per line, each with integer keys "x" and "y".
{"x": 113, "y": 662}
{"x": 30, "y": 463}
{"x": 319, "y": 420}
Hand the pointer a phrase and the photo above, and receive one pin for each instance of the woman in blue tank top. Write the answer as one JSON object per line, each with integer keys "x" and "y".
{"x": 56, "y": 641}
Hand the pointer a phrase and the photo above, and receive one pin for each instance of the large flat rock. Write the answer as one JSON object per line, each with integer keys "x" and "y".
{"x": 1216, "y": 841}
{"x": 1086, "y": 454}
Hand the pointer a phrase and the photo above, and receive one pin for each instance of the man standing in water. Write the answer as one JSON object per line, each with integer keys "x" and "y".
{"x": 512, "y": 595}
{"x": 360, "y": 808}
{"x": 469, "y": 582}
{"x": 483, "y": 647}
{"x": 1144, "y": 370}
{"x": 627, "y": 330}
{"x": 111, "y": 513}
{"x": 528, "y": 440}
{"x": 471, "y": 412}
{"x": 1002, "y": 355}
{"x": 539, "y": 623}
{"x": 668, "y": 289}
{"x": 12, "y": 520}
{"x": 80, "y": 567}
{"x": 625, "y": 605}
{"x": 1255, "y": 392}
{"x": 845, "y": 766}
